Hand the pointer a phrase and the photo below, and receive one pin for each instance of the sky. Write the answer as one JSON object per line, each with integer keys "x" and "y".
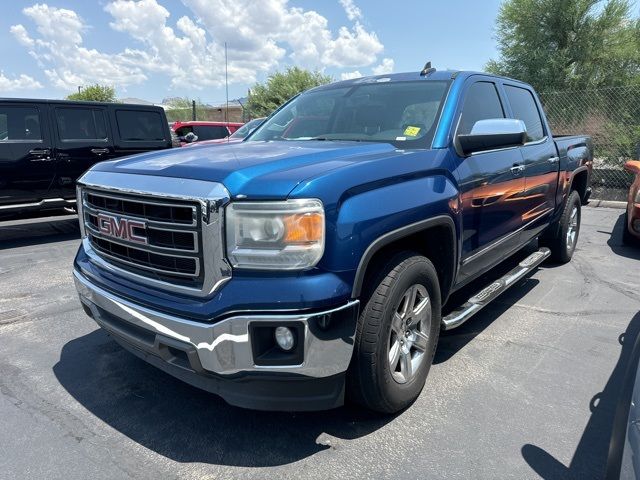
{"x": 154, "y": 49}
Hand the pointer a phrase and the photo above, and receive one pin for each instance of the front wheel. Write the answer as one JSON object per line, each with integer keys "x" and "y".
{"x": 396, "y": 335}
{"x": 562, "y": 238}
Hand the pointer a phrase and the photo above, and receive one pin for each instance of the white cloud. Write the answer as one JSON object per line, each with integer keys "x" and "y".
{"x": 261, "y": 36}
{"x": 22, "y": 82}
{"x": 22, "y": 36}
{"x": 352, "y": 11}
{"x": 65, "y": 61}
{"x": 350, "y": 75}
{"x": 386, "y": 66}
{"x": 353, "y": 48}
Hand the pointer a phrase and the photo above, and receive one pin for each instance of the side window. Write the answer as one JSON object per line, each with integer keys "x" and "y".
{"x": 481, "y": 103}
{"x": 79, "y": 124}
{"x": 210, "y": 132}
{"x": 20, "y": 123}
{"x": 140, "y": 126}
{"x": 524, "y": 108}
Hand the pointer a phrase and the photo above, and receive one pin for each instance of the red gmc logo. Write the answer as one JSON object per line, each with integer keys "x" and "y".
{"x": 121, "y": 228}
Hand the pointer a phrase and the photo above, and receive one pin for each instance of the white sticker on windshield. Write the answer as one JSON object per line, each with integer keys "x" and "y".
{"x": 401, "y": 139}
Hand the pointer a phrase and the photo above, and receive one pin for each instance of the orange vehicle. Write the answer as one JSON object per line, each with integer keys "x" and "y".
{"x": 631, "y": 234}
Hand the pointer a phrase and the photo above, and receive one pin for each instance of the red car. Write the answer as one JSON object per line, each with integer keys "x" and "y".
{"x": 203, "y": 130}
{"x": 631, "y": 232}
{"x": 237, "y": 136}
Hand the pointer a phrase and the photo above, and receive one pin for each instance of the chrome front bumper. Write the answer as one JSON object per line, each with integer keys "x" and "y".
{"x": 223, "y": 348}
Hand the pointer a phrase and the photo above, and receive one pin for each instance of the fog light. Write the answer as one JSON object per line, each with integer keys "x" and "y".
{"x": 285, "y": 339}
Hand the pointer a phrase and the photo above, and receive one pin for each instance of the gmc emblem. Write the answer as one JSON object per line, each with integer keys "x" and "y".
{"x": 123, "y": 228}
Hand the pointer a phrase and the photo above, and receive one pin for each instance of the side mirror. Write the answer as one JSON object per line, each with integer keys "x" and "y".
{"x": 190, "y": 137}
{"x": 492, "y": 134}
{"x": 633, "y": 166}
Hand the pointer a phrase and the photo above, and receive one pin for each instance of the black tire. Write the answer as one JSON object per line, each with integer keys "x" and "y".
{"x": 627, "y": 238}
{"x": 370, "y": 380}
{"x": 556, "y": 238}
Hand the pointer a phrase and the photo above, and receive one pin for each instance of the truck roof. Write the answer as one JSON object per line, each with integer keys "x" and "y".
{"x": 413, "y": 76}
{"x": 79, "y": 102}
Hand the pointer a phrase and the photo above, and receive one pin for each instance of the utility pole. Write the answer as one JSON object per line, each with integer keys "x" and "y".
{"x": 226, "y": 82}
{"x": 193, "y": 110}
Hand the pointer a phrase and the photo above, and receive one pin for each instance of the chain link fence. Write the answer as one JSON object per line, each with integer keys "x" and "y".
{"x": 611, "y": 116}
{"x": 236, "y": 113}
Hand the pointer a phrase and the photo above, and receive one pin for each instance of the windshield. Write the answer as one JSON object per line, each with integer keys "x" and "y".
{"x": 402, "y": 113}
{"x": 247, "y": 128}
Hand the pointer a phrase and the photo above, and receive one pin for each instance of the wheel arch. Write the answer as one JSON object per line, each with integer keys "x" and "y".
{"x": 418, "y": 237}
{"x": 579, "y": 181}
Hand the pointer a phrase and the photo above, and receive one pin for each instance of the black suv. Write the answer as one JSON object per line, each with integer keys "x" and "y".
{"x": 45, "y": 145}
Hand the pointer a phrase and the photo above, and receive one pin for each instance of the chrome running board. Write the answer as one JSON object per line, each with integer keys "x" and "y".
{"x": 491, "y": 292}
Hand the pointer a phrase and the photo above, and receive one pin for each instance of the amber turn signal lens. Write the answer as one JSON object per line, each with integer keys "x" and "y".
{"x": 303, "y": 228}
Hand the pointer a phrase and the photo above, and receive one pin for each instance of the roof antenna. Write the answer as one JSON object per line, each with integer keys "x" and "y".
{"x": 427, "y": 70}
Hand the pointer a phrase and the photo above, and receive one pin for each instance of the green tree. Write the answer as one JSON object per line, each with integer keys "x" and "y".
{"x": 181, "y": 108}
{"x": 568, "y": 44}
{"x": 95, "y": 93}
{"x": 280, "y": 87}
{"x": 184, "y": 102}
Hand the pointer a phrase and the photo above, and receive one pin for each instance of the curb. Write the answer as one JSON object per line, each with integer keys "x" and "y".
{"x": 594, "y": 202}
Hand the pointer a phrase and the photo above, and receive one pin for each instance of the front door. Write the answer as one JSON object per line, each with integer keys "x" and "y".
{"x": 27, "y": 164}
{"x": 491, "y": 185}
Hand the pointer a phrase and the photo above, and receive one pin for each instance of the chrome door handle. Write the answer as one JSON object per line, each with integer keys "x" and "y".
{"x": 554, "y": 160}
{"x": 99, "y": 151}
{"x": 41, "y": 155}
{"x": 517, "y": 169}
{"x": 40, "y": 151}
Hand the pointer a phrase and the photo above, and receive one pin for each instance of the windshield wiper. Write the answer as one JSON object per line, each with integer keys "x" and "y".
{"x": 327, "y": 139}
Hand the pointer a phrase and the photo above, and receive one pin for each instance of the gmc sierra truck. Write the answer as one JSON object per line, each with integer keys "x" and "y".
{"x": 312, "y": 261}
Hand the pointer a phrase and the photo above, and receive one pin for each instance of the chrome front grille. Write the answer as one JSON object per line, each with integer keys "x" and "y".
{"x": 164, "y": 238}
{"x": 171, "y": 252}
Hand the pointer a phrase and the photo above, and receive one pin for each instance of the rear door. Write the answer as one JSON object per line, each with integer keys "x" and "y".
{"x": 27, "y": 165}
{"x": 138, "y": 130}
{"x": 540, "y": 157}
{"x": 491, "y": 184}
{"x": 82, "y": 139}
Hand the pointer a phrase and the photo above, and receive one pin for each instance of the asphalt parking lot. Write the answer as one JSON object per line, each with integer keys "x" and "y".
{"x": 526, "y": 389}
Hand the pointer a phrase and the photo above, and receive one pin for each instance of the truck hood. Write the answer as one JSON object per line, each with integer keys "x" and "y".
{"x": 254, "y": 169}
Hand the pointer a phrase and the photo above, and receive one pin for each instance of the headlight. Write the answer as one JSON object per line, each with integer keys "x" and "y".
{"x": 285, "y": 235}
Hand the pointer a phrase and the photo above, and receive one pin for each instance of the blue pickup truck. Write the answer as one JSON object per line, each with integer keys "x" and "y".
{"x": 313, "y": 261}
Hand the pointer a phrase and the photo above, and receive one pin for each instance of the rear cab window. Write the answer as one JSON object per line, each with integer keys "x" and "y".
{"x": 524, "y": 108}
{"x": 210, "y": 132}
{"x": 18, "y": 123}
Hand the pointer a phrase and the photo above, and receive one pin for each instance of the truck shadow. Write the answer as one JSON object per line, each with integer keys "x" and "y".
{"x": 37, "y": 231}
{"x": 615, "y": 241}
{"x": 186, "y": 424}
{"x": 453, "y": 341}
{"x": 606, "y": 426}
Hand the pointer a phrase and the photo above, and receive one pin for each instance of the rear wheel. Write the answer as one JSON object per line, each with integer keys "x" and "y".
{"x": 396, "y": 335}
{"x": 563, "y": 237}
